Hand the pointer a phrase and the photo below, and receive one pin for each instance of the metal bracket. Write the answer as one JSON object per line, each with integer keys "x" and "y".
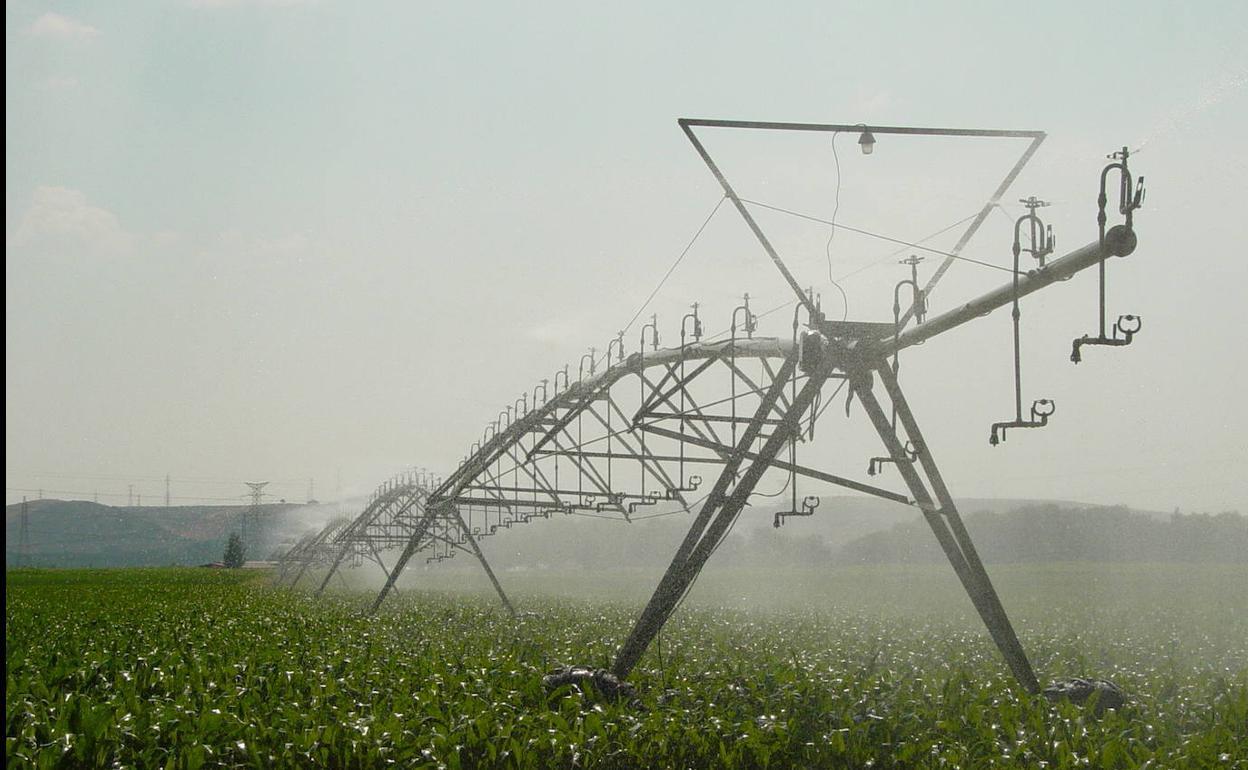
{"x": 876, "y": 464}
{"x": 809, "y": 504}
{"x": 1041, "y": 410}
{"x": 1125, "y": 328}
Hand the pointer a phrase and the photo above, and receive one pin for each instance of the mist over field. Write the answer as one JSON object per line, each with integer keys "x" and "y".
{"x": 849, "y": 531}
{"x": 617, "y": 386}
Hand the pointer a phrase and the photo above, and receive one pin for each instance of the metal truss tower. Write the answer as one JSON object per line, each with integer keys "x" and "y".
{"x": 23, "y": 537}
{"x": 251, "y": 516}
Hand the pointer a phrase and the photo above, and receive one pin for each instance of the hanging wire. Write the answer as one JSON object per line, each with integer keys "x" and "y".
{"x": 791, "y": 303}
{"x": 895, "y": 252}
{"x": 836, "y": 207}
{"x": 1004, "y": 213}
{"x": 871, "y": 234}
{"x": 676, "y": 264}
{"x": 819, "y": 412}
{"x": 685, "y": 509}
{"x": 781, "y": 491}
{"x": 672, "y": 269}
{"x": 80, "y": 494}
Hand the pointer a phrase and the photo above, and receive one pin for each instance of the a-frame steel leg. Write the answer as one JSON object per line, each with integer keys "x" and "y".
{"x": 953, "y": 537}
{"x": 333, "y": 567}
{"x": 476, "y": 550}
{"x": 409, "y": 550}
{"x": 380, "y": 563}
{"x": 706, "y": 533}
{"x": 307, "y": 562}
{"x": 283, "y": 570}
{"x": 415, "y": 541}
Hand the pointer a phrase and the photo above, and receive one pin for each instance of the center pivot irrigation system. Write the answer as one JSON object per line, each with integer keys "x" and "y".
{"x": 693, "y": 428}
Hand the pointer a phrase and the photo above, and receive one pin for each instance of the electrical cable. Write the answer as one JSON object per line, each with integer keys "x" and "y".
{"x": 787, "y": 479}
{"x": 895, "y": 252}
{"x": 671, "y": 269}
{"x": 1004, "y": 213}
{"x": 137, "y": 478}
{"x": 82, "y": 495}
{"x": 870, "y": 234}
{"x": 676, "y": 264}
{"x": 831, "y": 398}
{"x": 836, "y": 207}
{"x": 868, "y": 266}
{"x": 685, "y": 509}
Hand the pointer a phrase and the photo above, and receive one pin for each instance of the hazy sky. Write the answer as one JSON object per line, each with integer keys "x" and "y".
{"x": 285, "y": 240}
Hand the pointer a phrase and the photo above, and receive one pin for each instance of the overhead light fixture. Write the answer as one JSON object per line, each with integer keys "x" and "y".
{"x": 866, "y": 141}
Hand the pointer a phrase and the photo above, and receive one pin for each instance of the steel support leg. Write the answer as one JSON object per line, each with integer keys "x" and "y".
{"x": 307, "y": 562}
{"x": 705, "y": 534}
{"x": 283, "y": 569}
{"x": 333, "y": 567}
{"x": 380, "y": 562}
{"x": 413, "y": 545}
{"x": 409, "y": 550}
{"x": 953, "y": 538}
{"x": 476, "y": 550}
{"x": 948, "y": 507}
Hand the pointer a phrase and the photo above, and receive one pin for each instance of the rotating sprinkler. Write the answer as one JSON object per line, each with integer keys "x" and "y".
{"x": 1129, "y": 200}
{"x": 917, "y": 311}
{"x": 1041, "y": 245}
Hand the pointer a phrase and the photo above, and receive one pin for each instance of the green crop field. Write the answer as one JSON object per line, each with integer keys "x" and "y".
{"x": 879, "y": 667}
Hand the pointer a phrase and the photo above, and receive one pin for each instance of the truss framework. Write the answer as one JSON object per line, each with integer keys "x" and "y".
{"x": 633, "y": 440}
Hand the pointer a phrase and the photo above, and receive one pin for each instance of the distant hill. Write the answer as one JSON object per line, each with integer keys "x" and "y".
{"x": 576, "y": 541}
{"x": 854, "y": 530}
{"x": 843, "y": 529}
{"x": 72, "y": 533}
{"x": 1046, "y": 532}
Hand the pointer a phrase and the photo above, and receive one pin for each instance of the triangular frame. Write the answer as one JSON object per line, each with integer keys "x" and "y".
{"x": 1036, "y": 138}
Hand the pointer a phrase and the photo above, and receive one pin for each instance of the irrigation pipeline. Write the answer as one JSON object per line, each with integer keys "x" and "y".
{"x": 631, "y": 438}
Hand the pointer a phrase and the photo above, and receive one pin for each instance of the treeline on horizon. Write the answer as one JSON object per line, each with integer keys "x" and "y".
{"x": 1054, "y": 533}
{"x": 1046, "y": 532}
{"x": 66, "y": 536}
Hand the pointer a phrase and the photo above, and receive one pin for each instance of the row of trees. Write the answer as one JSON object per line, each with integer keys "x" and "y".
{"x": 1051, "y": 532}
{"x": 1032, "y": 533}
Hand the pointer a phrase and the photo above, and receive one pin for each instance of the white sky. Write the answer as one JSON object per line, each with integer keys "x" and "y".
{"x": 285, "y": 240}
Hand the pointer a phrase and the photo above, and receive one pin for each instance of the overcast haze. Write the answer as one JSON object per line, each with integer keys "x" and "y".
{"x": 284, "y": 240}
